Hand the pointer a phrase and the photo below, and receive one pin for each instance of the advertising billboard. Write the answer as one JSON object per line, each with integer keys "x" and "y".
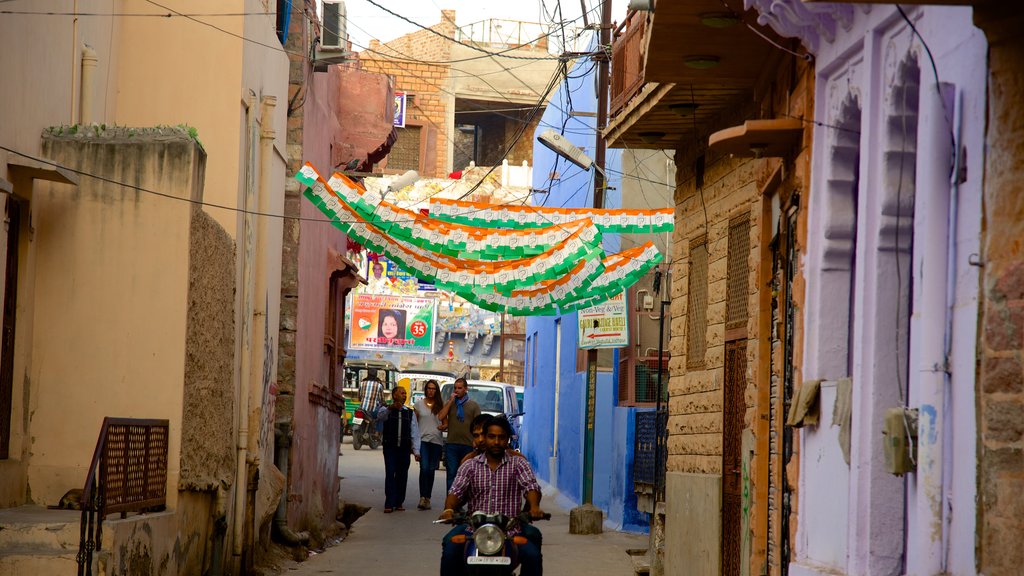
{"x": 604, "y": 325}
{"x": 395, "y": 323}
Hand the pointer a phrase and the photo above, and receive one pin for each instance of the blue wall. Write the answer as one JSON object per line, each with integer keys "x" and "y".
{"x": 614, "y": 434}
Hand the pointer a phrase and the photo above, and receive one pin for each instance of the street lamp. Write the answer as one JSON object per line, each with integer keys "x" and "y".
{"x": 587, "y": 518}
{"x": 396, "y": 184}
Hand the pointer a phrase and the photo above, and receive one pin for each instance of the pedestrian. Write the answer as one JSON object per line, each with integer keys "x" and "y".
{"x": 477, "y": 428}
{"x": 401, "y": 440}
{"x": 456, "y": 416}
{"x": 431, "y": 441}
{"x": 371, "y": 395}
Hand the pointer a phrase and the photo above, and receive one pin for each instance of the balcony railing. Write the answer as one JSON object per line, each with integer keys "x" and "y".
{"x": 128, "y": 473}
{"x": 506, "y": 33}
{"x": 628, "y": 62}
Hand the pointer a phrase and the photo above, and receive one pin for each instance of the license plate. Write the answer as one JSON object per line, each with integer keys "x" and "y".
{"x": 489, "y": 560}
{"x": 356, "y": 421}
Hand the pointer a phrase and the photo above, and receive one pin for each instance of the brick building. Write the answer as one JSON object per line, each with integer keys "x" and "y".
{"x": 463, "y": 106}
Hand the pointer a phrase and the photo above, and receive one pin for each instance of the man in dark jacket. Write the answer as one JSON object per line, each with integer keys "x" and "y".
{"x": 401, "y": 439}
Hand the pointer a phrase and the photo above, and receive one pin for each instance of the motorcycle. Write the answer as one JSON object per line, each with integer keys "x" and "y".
{"x": 364, "y": 430}
{"x": 489, "y": 550}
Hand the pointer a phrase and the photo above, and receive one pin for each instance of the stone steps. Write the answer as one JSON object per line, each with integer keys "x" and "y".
{"x": 641, "y": 563}
{"x": 39, "y": 527}
{"x": 36, "y": 540}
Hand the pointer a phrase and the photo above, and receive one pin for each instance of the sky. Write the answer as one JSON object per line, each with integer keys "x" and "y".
{"x": 367, "y": 21}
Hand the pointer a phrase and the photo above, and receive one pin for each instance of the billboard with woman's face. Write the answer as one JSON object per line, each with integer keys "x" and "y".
{"x": 397, "y": 323}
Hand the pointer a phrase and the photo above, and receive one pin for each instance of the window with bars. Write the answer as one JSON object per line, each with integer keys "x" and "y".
{"x": 738, "y": 274}
{"x": 697, "y": 304}
{"x": 405, "y": 154}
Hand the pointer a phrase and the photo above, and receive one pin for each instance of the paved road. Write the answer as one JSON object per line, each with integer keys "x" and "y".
{"x": 407, "y": 543}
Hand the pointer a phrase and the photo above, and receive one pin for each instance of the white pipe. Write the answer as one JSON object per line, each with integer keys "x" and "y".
{"x": 931, "y": 236}
{"x": 244, "y": 240}
{"x": 261, "y": 295}
{"x": 947, "y": 453}
{"x": 553, "y": 461}
{"x": 74, "y": 49}
{"x": 89, "y": 60}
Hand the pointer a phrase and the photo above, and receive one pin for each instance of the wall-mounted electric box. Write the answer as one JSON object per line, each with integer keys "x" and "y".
{"x": 899, "y": 436}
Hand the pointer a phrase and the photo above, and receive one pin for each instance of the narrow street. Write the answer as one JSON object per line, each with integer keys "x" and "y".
{"x": 408, "y": 543}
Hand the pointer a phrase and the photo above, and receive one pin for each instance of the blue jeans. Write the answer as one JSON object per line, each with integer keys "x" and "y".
{"x": 453, "y": 455}
{"x": 396, "y": 475}
{"x": 453, "y": 561}
{"x": 430, "y": 461}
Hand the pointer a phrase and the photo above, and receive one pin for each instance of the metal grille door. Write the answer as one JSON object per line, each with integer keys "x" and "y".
{"x": 733, "y": 408}
{"x": 697, "y": 305}
{"x": 405, "y": 154}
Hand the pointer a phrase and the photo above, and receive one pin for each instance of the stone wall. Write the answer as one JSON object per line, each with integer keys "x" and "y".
{"x": 1001, "y": 349}
{"x": 733, "y": 187}
{"x": 207, "y": 432}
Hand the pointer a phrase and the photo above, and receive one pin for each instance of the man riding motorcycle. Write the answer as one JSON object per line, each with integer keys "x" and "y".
{"x": 371, "y": 398}
{"x": 494, "y": 482}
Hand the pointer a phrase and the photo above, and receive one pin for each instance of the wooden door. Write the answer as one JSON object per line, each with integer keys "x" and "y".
{"x": 733, "y": 409}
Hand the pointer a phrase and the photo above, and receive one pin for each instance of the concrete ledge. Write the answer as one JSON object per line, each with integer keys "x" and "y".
{"x": 800, "y": 568}
{"x": 39, "y": 528}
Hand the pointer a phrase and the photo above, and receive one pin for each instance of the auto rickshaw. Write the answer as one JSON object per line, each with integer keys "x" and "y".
{"x": 357, "y": 369}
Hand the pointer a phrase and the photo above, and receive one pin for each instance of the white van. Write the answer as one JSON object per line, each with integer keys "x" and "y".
{"x": 494, "y": 398}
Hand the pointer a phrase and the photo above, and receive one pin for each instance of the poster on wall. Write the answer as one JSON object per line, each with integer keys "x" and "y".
{"x": 396, "y": 323}
{"x": 399, "y": 109}
{"x": 385, "y": 277}
{"x": 604, "y": 325}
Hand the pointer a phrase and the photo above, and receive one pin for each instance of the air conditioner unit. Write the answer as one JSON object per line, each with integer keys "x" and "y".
{"x": 333, "y": 47}
{"x": 335, "y": 31}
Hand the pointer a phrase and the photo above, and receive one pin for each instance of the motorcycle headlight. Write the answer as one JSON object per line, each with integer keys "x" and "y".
{"x": 489, "y": 539}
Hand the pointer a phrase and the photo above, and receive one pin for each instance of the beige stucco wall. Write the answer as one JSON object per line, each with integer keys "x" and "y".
{"x": 182, "y": 83}
{"x": 693, "y": 523}
{"x": 485, "y": 79}
{"x": 112, "y": 264}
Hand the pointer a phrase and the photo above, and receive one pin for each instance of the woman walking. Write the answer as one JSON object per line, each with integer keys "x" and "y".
{"x": 431, "y": 441}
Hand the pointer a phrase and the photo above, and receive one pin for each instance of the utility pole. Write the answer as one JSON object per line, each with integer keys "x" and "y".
{"x": 587, "y": 518}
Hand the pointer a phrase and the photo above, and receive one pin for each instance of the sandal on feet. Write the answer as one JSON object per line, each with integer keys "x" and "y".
{"x": 400, "y": 509}
{"x": 387, "y": 510}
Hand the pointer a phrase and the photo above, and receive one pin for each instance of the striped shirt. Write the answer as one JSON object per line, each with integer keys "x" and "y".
{"x": 371, "y": 394}
{"x": 494, "y": 491}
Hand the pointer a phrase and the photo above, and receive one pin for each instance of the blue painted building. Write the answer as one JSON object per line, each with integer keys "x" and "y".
{"x": 555, "y": 378}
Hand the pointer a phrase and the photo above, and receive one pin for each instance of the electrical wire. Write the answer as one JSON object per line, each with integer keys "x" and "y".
{"x": 132, "y": 14}
{"x": 203, "y": 203}
{"x": 500, "y": 53}
{"x": 228, "y": 32}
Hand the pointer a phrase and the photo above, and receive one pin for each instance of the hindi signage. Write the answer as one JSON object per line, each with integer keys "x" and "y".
{"x": 396, "y": 323}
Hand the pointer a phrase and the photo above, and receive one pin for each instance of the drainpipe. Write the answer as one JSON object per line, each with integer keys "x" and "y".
{"x": 954, "y": 199}
{"x": 245, "y": 368}
{"x": 220, "y": 530}
{"x": 934, "y": 165}
{"x": 553, "y": 460}
{"x": 74, "y": 43}
{"x": 259, "y": 282}
{"x": 282, "y": 532}
{"x": 89, "y": 60}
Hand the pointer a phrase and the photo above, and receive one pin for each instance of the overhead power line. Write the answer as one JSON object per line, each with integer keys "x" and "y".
{"x": 500, "y": 53}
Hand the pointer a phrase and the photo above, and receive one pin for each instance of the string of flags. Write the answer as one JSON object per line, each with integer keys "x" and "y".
{"x": 523, "y": 260}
